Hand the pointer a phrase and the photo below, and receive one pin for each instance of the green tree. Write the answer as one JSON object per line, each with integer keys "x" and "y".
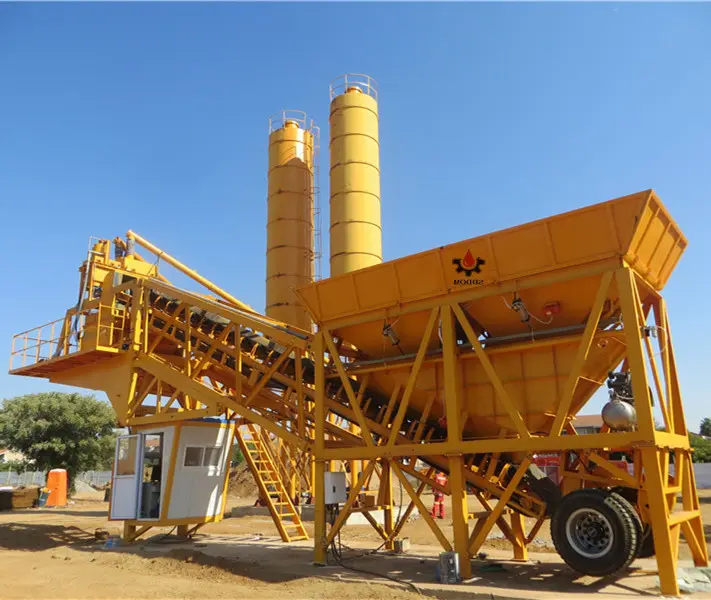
{"x": 705, "y": 427}
{"x": 13, "y": 465}
{"x": 59, "y": 431}
{"x": 237, "y": 457}
{"x": 702, "y": 449}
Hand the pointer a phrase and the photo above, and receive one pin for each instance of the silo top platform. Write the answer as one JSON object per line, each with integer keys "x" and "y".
{"x": 636, "y": 229}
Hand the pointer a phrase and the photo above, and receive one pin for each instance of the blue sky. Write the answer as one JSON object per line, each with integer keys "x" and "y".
{"x": 154, "y": 117}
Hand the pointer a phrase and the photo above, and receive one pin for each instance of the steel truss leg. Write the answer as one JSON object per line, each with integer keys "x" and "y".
{"x": 666, "y": 525}
{"x": 424, "y": 513}
{"x": 460, "y": 514}
{"x": 319, "y": 514}
{"x": 519, "y": 537}
{"x": 666, "y": 545}
{"x": 386, "y": 484}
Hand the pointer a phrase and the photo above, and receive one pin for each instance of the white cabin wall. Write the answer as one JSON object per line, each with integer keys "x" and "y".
{"x": 197, "y": 491}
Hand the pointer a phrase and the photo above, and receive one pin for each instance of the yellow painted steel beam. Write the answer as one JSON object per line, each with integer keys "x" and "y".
{"x": 534, "y": 443}
{"x": 412, "y": 378}
{"x": 460, "y": 514}
{"x": 484, "y": 530}
{"x": 519, "y": 534}
{"x": 346, "y": 510}
{"x": 411, "y": 506}
{"x": 213, "y": 398}
{"x": 320, "y": 545}
{"x": 379, "y": 530}
{"x": 348, "y": 388}
{"x": 583, "y": 350}
{"x": 278, "y": 331}
{"x": 424, "y": 513}
{"x": 266, "y": 377}
{"x": 613, "y": 469}
{"x": 512, "y": 411}
{"x": 165, "y": 501}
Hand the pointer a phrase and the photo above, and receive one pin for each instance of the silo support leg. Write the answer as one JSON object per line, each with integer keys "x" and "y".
{"x": 460, "y": 514}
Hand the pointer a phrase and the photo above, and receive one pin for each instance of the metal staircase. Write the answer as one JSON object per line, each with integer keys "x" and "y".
{"x": 271, "y": 486}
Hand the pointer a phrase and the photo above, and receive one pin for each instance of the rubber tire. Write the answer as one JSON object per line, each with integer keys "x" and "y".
{"x": 636, "y": 519}
{"x": 624, "y": 546}
{"x": 645, "y": 545}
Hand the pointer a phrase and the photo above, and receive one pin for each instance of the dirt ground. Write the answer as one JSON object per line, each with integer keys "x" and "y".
{"x": 52, "y": 553}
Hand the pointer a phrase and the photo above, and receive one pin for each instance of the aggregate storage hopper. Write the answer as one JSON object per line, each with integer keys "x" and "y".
{"x": 489, "y": 347}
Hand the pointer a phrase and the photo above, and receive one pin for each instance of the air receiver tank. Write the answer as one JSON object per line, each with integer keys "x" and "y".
{"x": 290, "y": 222}
{"x": 355, "y": 232}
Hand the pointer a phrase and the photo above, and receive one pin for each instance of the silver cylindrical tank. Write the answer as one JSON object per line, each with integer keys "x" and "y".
{"x": 619, "y": 415}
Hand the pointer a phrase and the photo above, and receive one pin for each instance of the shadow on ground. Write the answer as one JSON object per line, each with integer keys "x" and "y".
{"x": 61, "y": 511}
{"x": 20, "y": 536}
{"x": 274, "y": 562}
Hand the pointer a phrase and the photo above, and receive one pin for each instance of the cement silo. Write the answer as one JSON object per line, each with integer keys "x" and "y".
{"x": 355, "y": 230}
{"x": 290, "y": 215}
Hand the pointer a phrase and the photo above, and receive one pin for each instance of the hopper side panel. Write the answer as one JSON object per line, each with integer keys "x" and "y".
{"x": 584, "y": 235}
{"x": 657, "y": 244}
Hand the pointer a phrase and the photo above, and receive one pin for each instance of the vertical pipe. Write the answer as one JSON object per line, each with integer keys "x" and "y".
{"x": 355, "y": 231}
{"x": 290, "y": 210}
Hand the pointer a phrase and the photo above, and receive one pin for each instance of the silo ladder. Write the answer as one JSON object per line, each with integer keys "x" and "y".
{"x": 271, "y": 487}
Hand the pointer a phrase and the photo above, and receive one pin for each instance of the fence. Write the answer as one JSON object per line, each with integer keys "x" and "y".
{"x": 101, "y": 478}
{"x": 93, "y": 478}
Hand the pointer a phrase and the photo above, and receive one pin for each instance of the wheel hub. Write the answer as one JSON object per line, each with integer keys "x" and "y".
{"x": 589, "y": 532}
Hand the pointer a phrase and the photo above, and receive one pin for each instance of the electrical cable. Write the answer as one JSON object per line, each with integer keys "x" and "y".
{"x": 338, "y": 556}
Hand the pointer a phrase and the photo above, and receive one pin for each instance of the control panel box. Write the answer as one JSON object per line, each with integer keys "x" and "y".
{"x": 335, "y": 487}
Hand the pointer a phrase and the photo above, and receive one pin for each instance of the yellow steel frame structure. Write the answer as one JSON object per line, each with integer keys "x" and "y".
{"x": 161, "y": 363}
{"x": 651, "y": 448}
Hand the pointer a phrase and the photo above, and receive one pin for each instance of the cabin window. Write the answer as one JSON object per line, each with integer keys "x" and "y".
{"x": 126, "y": 456}
{"x": 193, "y": 456}
{"x": 211, "y": 457}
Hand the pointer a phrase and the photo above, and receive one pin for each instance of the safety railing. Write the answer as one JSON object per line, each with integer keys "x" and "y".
{"x": 103, "y": 326}
{"x": 278, "y": 120}
{"x": 43, "y": 343}
{"x": 341, "y": 84}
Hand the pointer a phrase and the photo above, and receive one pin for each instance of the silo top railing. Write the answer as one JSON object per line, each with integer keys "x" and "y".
{"x": 364, "y": 83}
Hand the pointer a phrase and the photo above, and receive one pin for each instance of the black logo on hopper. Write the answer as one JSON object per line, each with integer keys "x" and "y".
{"x": 468, "y": 265}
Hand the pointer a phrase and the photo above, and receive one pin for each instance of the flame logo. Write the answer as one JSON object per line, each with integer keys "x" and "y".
{"x": 469, "y": 264}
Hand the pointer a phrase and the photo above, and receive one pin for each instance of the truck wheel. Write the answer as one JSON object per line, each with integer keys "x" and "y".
{"x": 594, "y": 532}
{"x": 636, "y": 519}
{"x": 645, "y": 539}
